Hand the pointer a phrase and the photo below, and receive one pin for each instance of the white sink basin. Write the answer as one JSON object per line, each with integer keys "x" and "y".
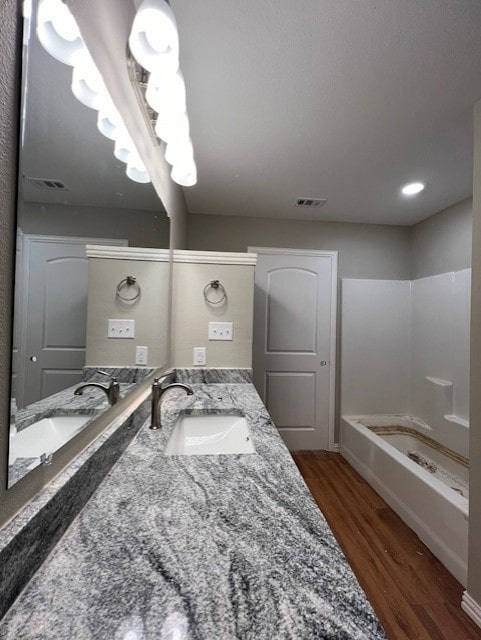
{"x": 47, "y": 435}
{"x": 210, "y": 434}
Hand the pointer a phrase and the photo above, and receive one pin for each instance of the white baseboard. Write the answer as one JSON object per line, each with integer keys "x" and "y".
{"x": 335, "y": 448}
{"x": 472, "y": 608}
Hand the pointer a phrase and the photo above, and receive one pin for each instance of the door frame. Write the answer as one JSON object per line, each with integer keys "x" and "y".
{"x": 24, "y": 241}
{"x": 333, "y": 257}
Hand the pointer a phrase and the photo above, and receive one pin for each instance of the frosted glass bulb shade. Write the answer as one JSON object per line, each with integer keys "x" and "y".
{"x": 184, "y": 176}
{"x": 87, "y": 84}
{"x": 153, "y": 39}
{"x": 174, "y": 129}
{"x": 58, "y": 32}
{"x": 138, "y": 173}
{"x": 110, "y": 123}
{"x": 179, "y": 153}
{"x": 124, "y": 149}
{"x": 165, "y": 93}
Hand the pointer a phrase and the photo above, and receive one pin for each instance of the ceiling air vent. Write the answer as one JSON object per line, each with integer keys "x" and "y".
{"x": 47, "y": 183}
{"x": 310, "y": 202}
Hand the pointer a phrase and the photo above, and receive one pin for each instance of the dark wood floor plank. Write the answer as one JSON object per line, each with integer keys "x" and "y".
{"x": 413, "y": 594}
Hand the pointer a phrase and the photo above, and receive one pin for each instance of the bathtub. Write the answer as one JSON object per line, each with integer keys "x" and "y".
{"x": 436, "y": 508}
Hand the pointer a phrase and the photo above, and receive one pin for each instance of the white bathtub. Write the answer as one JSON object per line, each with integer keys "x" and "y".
{"x": 437, "y": 513}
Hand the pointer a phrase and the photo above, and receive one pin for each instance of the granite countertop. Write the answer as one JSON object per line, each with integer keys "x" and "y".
{"x": 197, "y": 547}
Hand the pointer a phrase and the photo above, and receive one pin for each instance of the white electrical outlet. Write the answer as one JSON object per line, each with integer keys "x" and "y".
{"x": 141, "y": 355}
{"x": 121, "y": 329}
{"x": 221, "y": 330}
{"x": 199, "y": 355}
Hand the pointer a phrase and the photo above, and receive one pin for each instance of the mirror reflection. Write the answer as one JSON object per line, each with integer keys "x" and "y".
{"x": 72, "y": 192}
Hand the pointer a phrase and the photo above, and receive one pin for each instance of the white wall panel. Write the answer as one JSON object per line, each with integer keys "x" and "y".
{"x": 432, "y": 338}
{"x": 375, "y": 346}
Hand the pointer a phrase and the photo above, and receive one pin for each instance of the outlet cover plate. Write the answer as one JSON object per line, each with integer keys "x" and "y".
{"x": 121, "y": 329}
{"x": 141, "y": 355}
{"x": 199, "y": 356}
{"x": 221, "y": 330}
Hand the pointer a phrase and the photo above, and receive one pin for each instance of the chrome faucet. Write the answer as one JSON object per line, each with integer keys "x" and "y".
{"x": 158, "y": 390}
{"x": 112, "y": 389}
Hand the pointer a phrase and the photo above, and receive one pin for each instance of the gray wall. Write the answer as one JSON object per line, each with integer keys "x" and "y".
{"x": 140, "y": 228}
{"x": 442, "y": 242}
{"x": 365, "y": 250}
{"x": 474, "y": 557}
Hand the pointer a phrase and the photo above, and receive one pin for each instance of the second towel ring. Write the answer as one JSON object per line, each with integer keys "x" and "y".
{"x": 129, "y": 281}
{"x": 217, "y": 286}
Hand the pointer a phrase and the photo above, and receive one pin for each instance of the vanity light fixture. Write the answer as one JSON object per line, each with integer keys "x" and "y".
{"x": 154, "y": 44}
{"x": 412, "y": 189}
{"x": 59, "y": 34}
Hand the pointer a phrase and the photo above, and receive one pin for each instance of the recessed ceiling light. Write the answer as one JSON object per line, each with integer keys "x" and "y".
{"x": 412, "y": 188}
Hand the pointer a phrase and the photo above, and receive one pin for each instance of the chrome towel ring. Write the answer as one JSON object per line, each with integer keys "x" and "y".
{"x": 219, "y": 288}
{"x": 129, "y": 281}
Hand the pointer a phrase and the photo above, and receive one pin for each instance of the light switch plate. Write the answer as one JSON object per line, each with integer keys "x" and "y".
{"x": 199, "y": 356}
{"x": 221, "y": 330}
{"x": 121, "y": 329}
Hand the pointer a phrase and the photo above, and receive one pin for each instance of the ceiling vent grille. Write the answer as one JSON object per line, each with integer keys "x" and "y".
{"x": 310, "y": 202}
{"x": 47, "y": 183}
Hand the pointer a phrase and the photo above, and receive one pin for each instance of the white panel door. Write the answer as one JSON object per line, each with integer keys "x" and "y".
{"x": 294, "y": 343}
{"x": 55, "y": 313}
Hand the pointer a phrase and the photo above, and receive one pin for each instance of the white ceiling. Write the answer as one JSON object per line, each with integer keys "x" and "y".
{"x": 339, "y": 99}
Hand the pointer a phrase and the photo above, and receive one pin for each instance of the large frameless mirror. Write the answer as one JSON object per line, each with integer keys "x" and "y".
{"x": 72, "y": 192}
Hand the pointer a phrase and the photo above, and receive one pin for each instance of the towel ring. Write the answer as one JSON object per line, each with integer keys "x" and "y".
{"x": 129, "y": 281}
{"x": 217, "y": 286}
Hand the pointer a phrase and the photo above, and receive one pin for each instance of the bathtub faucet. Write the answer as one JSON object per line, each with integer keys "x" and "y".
{"x": 158, "y": 390}
{"x": 112, "y": 390}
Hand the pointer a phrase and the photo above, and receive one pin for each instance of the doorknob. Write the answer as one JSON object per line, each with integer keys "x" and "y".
{"x": 323, "y": 363}
{"x": 33, "y": 358}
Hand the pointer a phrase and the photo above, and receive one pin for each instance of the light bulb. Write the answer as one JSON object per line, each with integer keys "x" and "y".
{"x": 173, "y": 129}
{"x": 58, "y": 32}
{"x": 110, "y": 123}
{"x": 412, "y": 189}
{"x": 87, "y": 83}
{"x": 177, "y": 153}
{"x": 124, "y": 148}
{"x": 136, "y": 171}
{"x": 153, "y": 40}
{"x": 165, "y": 93}
{"x": 186, "y": 176}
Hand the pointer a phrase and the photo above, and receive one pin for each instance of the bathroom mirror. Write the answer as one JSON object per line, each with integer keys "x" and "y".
{"x": 72, "y": 192}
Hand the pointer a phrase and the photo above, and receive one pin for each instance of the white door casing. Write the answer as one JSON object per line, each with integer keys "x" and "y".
{"x": 52, "y": 314}
{"x": 295, "y": 342}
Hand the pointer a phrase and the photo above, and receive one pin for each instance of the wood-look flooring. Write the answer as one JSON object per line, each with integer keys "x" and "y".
{"x": 413, "y": 595}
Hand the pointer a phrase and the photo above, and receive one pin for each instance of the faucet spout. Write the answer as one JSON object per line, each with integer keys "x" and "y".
{"x": 111, "y": 390}
{"x": 158, "y": 391}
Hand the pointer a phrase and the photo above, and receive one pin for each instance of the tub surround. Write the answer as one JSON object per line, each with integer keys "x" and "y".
{"x": 229, "y": 546}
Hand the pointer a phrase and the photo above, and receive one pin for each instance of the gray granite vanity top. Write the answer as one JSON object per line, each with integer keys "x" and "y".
{"x": 91, "y": 402}
{"x": 197, "y": 547}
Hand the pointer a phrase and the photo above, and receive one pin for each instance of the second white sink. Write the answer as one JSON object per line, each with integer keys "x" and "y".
{"x": 47, "y": 435}
{"x": 210, "y": 434}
